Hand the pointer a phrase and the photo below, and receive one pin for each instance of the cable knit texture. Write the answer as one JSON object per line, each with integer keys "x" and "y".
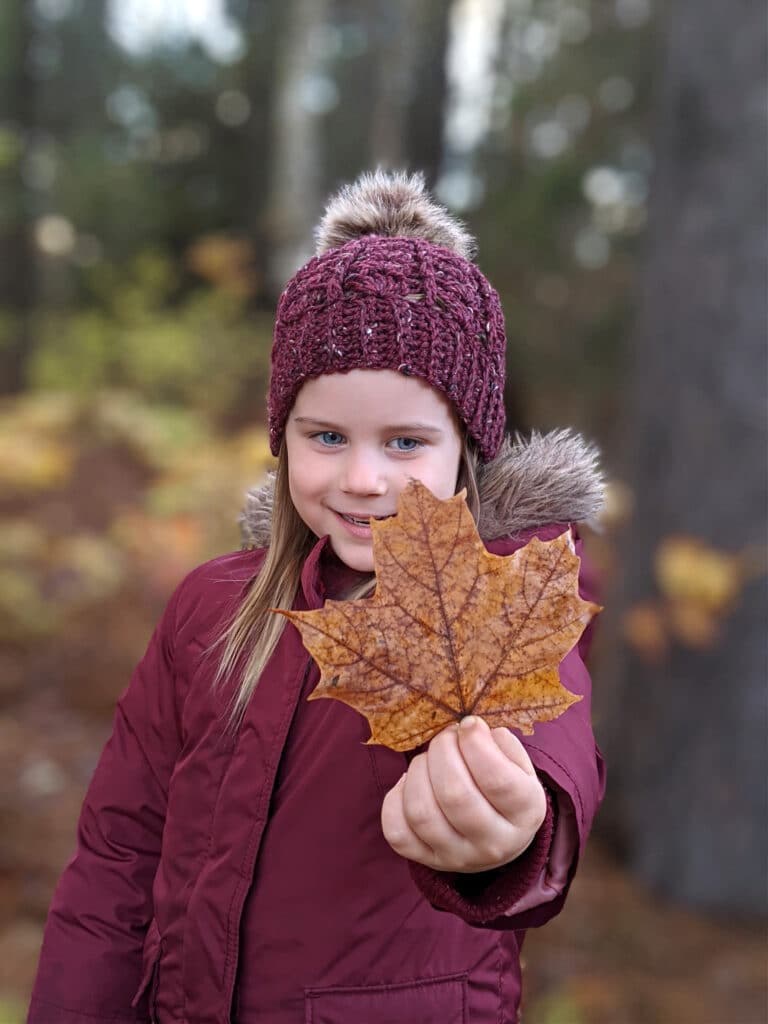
{"x": 398, "y": 303}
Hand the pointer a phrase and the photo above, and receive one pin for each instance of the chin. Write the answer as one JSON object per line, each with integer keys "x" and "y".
{"x": 360, "y": 561}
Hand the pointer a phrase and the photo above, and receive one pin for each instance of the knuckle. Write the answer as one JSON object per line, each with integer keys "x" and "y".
{"x": 455, "y": 797}
{"x": 494, "y": 853}
{"x": 446, "y": 735}
{"x": 400, "y": 846}
{"x": 496, "y": 787}
{"x": 507, "y": 739}
{"x": 537, "y": 818}
{"x": 418, "y": 814}
{"x": 393, "y": 825}
{"x": 537, "y": 804}
{"x": 396, "y": 837}
{"x": 462, "y": 861}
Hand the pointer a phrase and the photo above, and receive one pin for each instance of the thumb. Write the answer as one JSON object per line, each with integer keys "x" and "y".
{"x": 511, "y": 745}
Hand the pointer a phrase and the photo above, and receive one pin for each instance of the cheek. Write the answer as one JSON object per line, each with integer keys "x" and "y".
{"x": 439, "y": 473}
{"x": 297, "y": 480}
{"x": 306, "y": 478}
{"x": 446, "y": 473}
{"x": 444, "y": 486}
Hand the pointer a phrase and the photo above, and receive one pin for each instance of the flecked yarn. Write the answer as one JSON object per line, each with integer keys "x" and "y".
{"x": 394, "y": 303}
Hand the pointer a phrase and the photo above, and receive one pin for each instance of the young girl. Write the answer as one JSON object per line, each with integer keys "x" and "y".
{"x": 242, "y": 855}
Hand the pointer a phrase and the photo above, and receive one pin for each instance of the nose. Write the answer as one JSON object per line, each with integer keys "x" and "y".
{"x": 362, "y": 474}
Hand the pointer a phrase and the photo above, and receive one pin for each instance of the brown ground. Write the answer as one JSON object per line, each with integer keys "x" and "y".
{"x": 616, "y": 955}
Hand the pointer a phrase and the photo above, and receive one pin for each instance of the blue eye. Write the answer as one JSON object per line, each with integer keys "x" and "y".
{"x": 406, "y": 444}
{"x": 330, "y": 438}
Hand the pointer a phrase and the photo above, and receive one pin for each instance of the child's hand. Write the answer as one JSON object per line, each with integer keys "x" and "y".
{"x": 470, "y": 803}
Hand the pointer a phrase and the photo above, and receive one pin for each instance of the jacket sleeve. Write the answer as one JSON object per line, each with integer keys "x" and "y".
{"x": 532, "y": 888}
{"x": 91, "y": 958}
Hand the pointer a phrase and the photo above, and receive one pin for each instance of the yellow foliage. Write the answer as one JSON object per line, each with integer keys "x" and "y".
{"x": 74, "y": 352}
{"x": 690, "y": 571}
{"x": 693, "y": 624}
{"x": 645, "y": 631}
{"x": 161, "y": 550}
{"x": 24, "y": 613}
{"x": 39, "y": 412}
{"x": 21, "y": 540}
{"x": 158, "y": 434}
{"x": 225, "y": 262}
{"x": 619, "y": 504}
{"x": 209, "y": 482}
{"x": 555, "y": 1008}
{"x": 12, "y": 146}
{"x": 31, "y": 463}
{"x": 12, "y": 1011}
{"x": 186, "y": 515}
{"x": 95, "y": 565}
{"x": 698, "y": 585}
{"x": 251, "y": 449}
{"x": 35, "y": 451}
{"x": 43, "y": 578}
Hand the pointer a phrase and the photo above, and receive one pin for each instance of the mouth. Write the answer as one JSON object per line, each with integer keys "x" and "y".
{"x": 357, "y": 520}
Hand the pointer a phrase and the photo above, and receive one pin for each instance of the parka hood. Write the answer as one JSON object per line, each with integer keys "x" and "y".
{"x": 546, "y": 478}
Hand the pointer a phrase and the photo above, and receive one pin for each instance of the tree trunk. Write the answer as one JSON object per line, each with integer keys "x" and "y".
{"x": 428, "y": 93}
{"x": 263, "y": 25}
{"x": 391, "y": 29}
{"x": 686, "y": 739}
{"x": 408, "y": 109}
{"x": 296, "y": 151}
{"x": 17, "y": 103}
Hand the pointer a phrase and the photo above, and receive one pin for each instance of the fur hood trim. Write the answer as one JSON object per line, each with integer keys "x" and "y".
{"x": 547, "y": 478}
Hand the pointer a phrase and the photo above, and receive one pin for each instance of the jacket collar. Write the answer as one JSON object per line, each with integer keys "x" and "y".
{"x": 325, "y": 575}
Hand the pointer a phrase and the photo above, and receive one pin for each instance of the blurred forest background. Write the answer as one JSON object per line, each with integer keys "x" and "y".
{"x": 161, "y": 168}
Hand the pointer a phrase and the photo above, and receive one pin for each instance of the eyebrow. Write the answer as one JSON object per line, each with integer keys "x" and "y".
{"x": 395, "y": 428}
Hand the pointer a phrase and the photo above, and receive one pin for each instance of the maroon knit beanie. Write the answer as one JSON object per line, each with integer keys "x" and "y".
{"x": 393, "y": 289}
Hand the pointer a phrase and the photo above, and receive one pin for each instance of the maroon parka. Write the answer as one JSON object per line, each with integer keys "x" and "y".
{"x": 246, "y": 879}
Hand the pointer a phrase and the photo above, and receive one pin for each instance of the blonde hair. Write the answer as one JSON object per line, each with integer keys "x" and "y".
{"x": 255, "y": 629}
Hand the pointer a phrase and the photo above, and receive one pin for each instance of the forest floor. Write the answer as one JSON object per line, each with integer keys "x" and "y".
{"x": 617, "y": 955}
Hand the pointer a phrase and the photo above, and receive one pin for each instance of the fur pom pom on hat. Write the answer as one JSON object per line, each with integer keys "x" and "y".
{"x": 391, "y": 205}
{"x": 393, "y": 287}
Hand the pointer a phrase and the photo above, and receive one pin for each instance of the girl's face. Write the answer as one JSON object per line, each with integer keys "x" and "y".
{"x": 354, "y": 440}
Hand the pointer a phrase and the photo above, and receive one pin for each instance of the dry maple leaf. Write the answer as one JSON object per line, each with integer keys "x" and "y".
{"x": 451, "y": 630}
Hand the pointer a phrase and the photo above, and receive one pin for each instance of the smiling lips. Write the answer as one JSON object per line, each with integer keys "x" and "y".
{"x": 361, "y": 520}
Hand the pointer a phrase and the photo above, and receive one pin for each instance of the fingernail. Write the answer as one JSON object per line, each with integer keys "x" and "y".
{"x": 469, "y": 722}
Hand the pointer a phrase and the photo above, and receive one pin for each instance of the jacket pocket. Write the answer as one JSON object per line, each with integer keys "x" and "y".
{"x": 150, "y": 971}
{"x": 423, "y": 1001}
